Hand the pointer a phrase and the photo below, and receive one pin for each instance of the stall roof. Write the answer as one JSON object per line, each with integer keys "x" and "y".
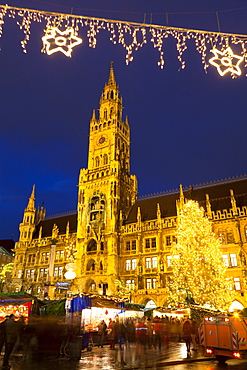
{"x": 15, "y": 298}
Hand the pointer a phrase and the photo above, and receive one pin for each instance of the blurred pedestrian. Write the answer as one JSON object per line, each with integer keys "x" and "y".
{"x": 101, "y": 333}
{"x": 194, "y": 335}
{"x": 111, "y": 333}
{"x": 157, "y": 328}
{"x": 2, "y": 333}
{"x": 11, "y": 334}
{"x": 187, "y": 334}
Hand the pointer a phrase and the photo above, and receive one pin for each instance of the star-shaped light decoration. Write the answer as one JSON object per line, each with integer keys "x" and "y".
{"x": 64, "y": 41}
{"x": 224, "y": 61}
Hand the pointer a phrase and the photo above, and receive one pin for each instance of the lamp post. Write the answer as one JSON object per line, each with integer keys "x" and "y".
{"x": 49, "y": 285}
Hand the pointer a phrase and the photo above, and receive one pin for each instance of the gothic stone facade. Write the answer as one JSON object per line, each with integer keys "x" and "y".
{"x": 115, "y": 236}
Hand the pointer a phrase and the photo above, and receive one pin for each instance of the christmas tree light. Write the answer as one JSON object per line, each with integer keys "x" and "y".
{"x": 198, "y": 268}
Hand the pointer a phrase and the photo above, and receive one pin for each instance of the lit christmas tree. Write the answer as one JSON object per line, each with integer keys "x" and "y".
{"x": 198, "y": 269}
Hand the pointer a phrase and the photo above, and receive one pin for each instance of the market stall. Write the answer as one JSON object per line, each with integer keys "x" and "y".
{"x": 19, "y": 304}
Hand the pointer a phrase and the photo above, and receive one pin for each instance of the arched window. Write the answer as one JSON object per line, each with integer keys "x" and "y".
{"x": 105, "y": 114}
{"x": 90, "y": 265}
{"x": 111, "y": 112}
{"x": 105, "y": 159}
{"x": 97, "y": 162}
{"x": 92, "y": 246}
{"x": 101, "y": 265}
{"x": 112, "y": 95}
{"x": 245, "y": 232}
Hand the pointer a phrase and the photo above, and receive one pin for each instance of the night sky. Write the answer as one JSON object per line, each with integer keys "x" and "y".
{"x": 187, "y": 126}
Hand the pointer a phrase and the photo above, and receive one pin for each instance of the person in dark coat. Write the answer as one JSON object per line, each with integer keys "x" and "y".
{"x": 101, "y": 333}
{"x": 187, "y": 334}
{"x": 11, "y": 334}
{"x": 2, "y": 333}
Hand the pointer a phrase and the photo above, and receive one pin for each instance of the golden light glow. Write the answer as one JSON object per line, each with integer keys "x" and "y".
{"x": 70, "y": 274}
{"x": 56, "y": 40}
{"x": 198, "y": 269}
{"x": 224, "y": 61}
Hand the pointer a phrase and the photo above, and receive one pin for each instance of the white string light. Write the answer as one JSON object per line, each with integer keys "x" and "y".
{"x": 63, "y": 31}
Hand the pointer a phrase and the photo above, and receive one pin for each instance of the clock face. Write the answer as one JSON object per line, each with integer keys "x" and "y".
{"x": 102, "y": 140}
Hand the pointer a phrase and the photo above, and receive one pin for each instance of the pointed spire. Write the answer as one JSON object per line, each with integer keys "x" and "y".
{"x": 233, "y": 202}
{"x": 158, "y": 215}
{"x": 67, "y": 230}
{"x": 181, "y": 196}
{"x": 139, "y": 218}
{"x": 93, "y": 115}
{"x": 111, "y": 79}
{"x": 180, "y": 201}
{"x": 208, "y": 206}
{"x": 31, "y": 206}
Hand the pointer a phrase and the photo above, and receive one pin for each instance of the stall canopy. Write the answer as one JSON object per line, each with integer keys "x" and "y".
{"x": 80, "y": 303}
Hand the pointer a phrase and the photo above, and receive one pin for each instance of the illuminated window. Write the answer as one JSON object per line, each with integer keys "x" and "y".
{"x": 19, "y": 274}
{"x": 154, "y": 262}
{"x": 127, "y": 265}
{"x": 130, "y": 284}
{"x": 225, "y": 260}
{"x": 233, "y": 259}
{"x": 43, "y": 273}
{"x": 30, "y": 274}
{"x": 59, "y": 255}
{"x": 151, "y": 283}
{"x": 154, "y": 283}
{"x": 133, "y": 264}
{"x": 148, "y": 262}
{"x": 169, "y": 261}
{"x": 45, "y": 257}
{"x": 237, "y": 285}
{"x": 58, "y": 271}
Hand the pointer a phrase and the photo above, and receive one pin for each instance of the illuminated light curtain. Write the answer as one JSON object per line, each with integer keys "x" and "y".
{"x": 224, "y": 51}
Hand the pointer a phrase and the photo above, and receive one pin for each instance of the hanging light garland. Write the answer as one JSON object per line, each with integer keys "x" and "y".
{"x": 226, "y": 52}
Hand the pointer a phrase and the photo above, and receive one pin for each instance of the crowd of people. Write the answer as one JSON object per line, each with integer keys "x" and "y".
{"x": 154, "y": 332}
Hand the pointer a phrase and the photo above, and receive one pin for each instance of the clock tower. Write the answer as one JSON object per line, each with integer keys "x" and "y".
{"x": 107, "y": 190}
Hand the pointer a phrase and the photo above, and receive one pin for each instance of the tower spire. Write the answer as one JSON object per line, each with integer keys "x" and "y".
{"x": 111, "y": 79}
{"x": 30, "y": 205}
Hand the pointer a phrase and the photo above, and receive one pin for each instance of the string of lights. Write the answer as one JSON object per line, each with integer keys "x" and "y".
{"x": 225, "y": 51}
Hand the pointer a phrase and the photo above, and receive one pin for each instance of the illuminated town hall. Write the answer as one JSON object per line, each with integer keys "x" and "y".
{"x": 114, "y": 240}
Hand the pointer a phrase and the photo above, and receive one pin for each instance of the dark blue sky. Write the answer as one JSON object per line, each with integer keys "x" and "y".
{"x": 186, "y": 126}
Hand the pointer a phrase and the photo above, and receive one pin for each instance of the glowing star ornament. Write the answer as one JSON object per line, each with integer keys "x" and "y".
{"x": 56, "y": 40}
{"x": 224, "y": 61}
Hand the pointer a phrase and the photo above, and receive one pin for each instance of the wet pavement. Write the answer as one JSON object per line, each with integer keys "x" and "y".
{"x": 130, "y": 356}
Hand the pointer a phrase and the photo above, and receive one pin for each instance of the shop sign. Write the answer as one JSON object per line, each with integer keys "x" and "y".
{"x": 63, "y": 285}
